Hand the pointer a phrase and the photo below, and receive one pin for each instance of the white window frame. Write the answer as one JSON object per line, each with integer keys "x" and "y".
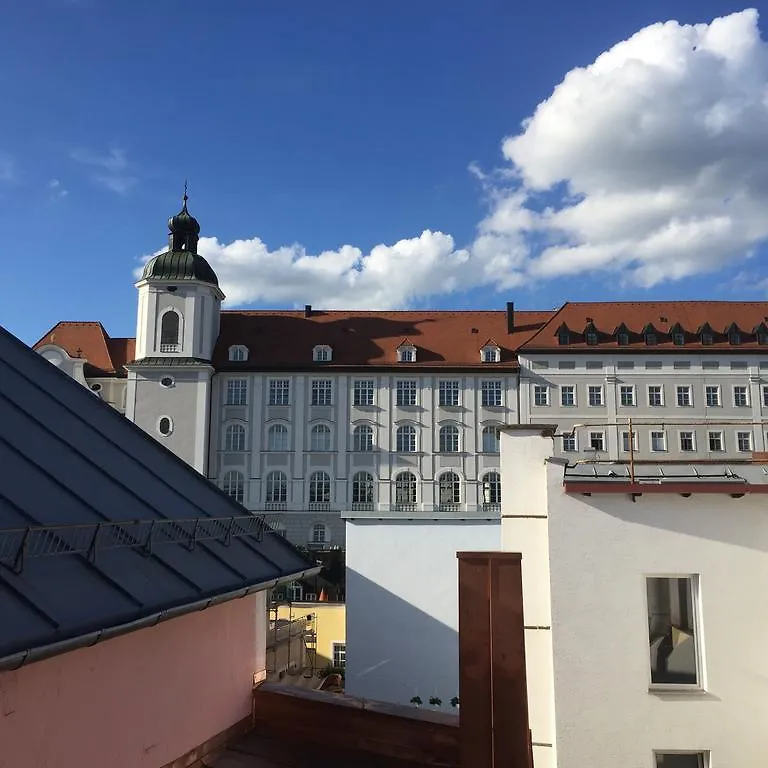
{"x": 624, "y": 389}
{"x": 603, "y": 445}
{"x": 625, "y": 441}
{"x": 741, "y": 433}
{"x": 571, "y": 389}
{"x": 569, "y": 436}
{"x": 319, "y": 487}
{"x": 712, "y": 393}
{"x": 363, "y": 392}
{"x": 281, "y": 444}
{"x": 406, "y": 483}
{"x": 279, "y": 392}
{"x": 651, "y": 438}
{"x": 318, "y": 445}
{"x": 238, "y": 353}
{"x": 448, "y": 444}
{"x": 406, "y": 353}
{"x": 490, "y": 484}
{"x": 321, "y": 392}
{"x": 444, "y": 489}
{"x": 738, "y": 388}
{"x": 362, "y": 487}
{"x": 233, "y": 484}
{"x": 765, "y": 395}
{"x": 491, "y": 429}
{"x": 362, "y": 438}
{"x": 449, "y": 393}
{"x": 339, "y": 654}
{"x": 407, "y": 387}
{"x": 695, "y": 587}
{"x": 683, "y": 389}
{"x": 703, "y": 756}
{"x": 232, "y": 445}
{"x": 710, "y": 434}
{"x": 237, "y": 392}
{"x": 322, "y": 353}
{"x": 692, "y": 433}
{"x": 276, "y": 487}
{"x": 491, "y": 393}
{"x": 660, "y": 393}
{"x": 595, "y": 389}
{"x": 490, "y": 354}
{"x": 412, "y": 444}
{"x": 538, "y": 390}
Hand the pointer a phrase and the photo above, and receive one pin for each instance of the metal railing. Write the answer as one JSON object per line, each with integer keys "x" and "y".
{"x": 88, "y": 539}
{"x": 319, "y": 506}
{"x": 362, "y": 506}
{"x": 276, "y": 506}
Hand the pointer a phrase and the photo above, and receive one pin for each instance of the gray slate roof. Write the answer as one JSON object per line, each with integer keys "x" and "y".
{"x": 68, "y": 459}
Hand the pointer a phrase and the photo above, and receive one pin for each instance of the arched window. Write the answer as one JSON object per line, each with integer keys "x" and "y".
{"x": 490, "y": 439}
{"x": 277, "y": 488}
{"x": 405, "y": 489}
{"x": 169, "y": 332}
{"x": 362, "y": 488}
{"x": 234, "y": 438}
{"x": 277, "y": 438}
{"x": 362, "y": 438}
{"x": 449, "y": 489}
{"x": 449, "y": 439}
{"x": 320, "y": 438}
{"x": 319, "y": 488}
{"x": 238, "y": 353}
{"x": 406, "y": 439}
{"x": 319, "y": 533}
{"x": 492, "y": 490}
{"x": 233, "y": 485}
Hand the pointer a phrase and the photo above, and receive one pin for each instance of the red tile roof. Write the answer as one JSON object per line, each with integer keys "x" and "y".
{"x": 662, "y": 315}
{"x": 442, "y": 339}
{"x": 106, "y": 356}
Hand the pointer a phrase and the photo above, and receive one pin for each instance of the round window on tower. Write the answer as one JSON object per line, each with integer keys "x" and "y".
{"x": 165, "y": 426}
{"x": 96, "y": 387}
{"x": 167, "y": 382}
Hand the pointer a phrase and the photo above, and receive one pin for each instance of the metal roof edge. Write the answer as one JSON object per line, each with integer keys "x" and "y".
{"x": 17, "y": 660}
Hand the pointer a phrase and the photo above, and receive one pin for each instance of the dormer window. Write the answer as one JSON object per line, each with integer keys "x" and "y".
{"x": 322, "y": 353}
{"x": 406, "y": 353}
{"x": 734, "y": 335}
{"x": 563, "y": 336}
{"x": 678, "y": 336}
{"x": 490, "y": 353}
{"x": 238, "y": 353}
{"x": 706, "y": 335}
{"x": 650, "y": 336}
{"x": 622, "y": 335}
{"x": 761, "y": 332}
{"x": 590, "y": 335}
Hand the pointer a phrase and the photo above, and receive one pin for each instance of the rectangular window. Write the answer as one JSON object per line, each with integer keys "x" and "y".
{"x": 568, "y": 396}
{"x": 712, "y": 393}
{"x": 406, "y": 393}
{"x": 491, "y": 393}
{"x": 237, "y": 392}
{"x": 744, "y": 441}
{"x": 658, "y": 441}
{"x": 362, "y": 392}
{"x": 716, "y": 443}
{"x": 569, "y": 443}
{"x": 627, "y": 394}
{"x": 765, "y": 396}
{"x": 625, "y": 441}
{"x": 322, "y": 392}
{"x": 684, "y": 396}
{"x": 655, "y": 395}
{"x": 449, "y": 393}
{"x": 740, "y": 397}
{"x": 595, "y": 395}
{"x": 597, "y": 441}
{"x": 687, "y": 441}
{"x": 682, "y": 760}
{"x": 279, "y": 392}
{"x": 339, "y": 655}
{"x": 673, "y": 634}
{"x": 540, "y": 394}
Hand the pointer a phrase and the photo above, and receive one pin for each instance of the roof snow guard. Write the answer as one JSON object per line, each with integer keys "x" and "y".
{"x": 103, "y": 530}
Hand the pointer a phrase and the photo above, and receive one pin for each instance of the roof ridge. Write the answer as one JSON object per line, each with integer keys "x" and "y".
{"x": 543, "y": 327}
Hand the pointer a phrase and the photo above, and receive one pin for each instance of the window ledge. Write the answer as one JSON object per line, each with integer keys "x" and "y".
{"x": 678, "y": 690}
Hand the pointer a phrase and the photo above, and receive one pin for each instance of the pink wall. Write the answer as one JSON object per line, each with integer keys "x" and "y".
{"x": 137, "y": 701}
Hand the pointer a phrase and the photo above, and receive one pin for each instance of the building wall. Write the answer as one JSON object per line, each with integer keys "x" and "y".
{"x": 402, "y": 606}
{"x": 611, "y": 372}
{"x": 139, "y": 700}
{"x": 329, "y": 625}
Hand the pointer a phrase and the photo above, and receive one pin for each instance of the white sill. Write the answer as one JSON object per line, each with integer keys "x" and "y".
{"x": 671, "y": 688}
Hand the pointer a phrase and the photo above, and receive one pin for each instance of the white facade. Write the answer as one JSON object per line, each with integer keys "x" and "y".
{"x": 586, "y": 561}
{"x": 402, "y": 606}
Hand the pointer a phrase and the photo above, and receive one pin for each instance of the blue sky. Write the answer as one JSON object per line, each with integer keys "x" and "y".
{"x": 340, "y": 123}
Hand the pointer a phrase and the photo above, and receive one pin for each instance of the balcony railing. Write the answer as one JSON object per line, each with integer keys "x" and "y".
{"x": 362, "y": 506}
{"x": 417, "y": 510}
{"x": 492, "y": 506}
{"x": 276, "y": 506}
{"x": 449, "y": 507}
{"x": 169, "y": 347}
{"x": 319, "y": 506}
{"x": 405, "y": 506}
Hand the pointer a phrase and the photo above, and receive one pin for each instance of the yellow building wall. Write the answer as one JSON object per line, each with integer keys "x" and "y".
{"x": 329, "y": 624}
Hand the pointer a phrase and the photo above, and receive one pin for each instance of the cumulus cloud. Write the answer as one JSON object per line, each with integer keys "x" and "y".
{"x": 648, "y": 165}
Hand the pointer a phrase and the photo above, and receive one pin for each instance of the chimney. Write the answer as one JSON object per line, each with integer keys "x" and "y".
{"x": 307, "y": 310}
{"x": 510, "y": 316}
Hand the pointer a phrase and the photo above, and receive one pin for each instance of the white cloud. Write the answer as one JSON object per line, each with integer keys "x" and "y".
{"x": 56, "y": 190}
{"x": 110, "y": 170}
{"x": 648, "y": 165}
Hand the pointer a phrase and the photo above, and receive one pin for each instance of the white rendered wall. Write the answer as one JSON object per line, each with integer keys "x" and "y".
{"x": 601, "y": 549}
{"x": 402, "y": 606}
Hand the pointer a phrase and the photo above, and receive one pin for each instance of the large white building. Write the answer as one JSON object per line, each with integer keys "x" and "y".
{"x": 308, "y": 415}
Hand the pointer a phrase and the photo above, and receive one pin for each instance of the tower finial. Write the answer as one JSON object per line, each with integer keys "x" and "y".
{"x": 185, "y": 198}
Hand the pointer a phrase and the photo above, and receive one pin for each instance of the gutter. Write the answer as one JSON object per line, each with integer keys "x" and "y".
{"x": 19, "y": 659}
